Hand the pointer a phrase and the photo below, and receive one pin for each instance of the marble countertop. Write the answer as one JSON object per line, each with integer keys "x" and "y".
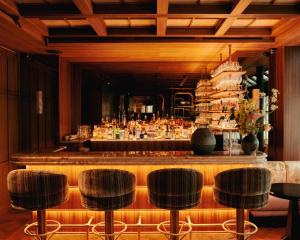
{"x": 133, "y": 158}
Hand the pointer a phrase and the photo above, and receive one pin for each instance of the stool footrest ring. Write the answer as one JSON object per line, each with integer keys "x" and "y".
{"x": 226, "y": 228}
{"x": 48, "y": 235}
{"x": 116, "y": 235}
{"x": 181, "y": 233}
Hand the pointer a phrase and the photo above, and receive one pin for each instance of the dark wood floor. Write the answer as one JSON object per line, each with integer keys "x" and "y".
{"x": 11, "y": 228}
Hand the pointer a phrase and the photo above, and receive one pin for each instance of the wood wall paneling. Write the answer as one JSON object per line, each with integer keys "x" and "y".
{"x": 4, "y": 200}
{"x": 291, "y": 94}
{"x": 39, "y": 131}
{"x": 13, "y": 86}
{"x": 9, "y": 126}
{"x": 284, "y": 76}
{"x": 3, "y": 107}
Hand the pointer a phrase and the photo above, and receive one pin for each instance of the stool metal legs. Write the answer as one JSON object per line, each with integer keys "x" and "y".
{"x": 240, "y": 224}
{"x": 174, "y": 223}
{"x": 41, "y": 219}
{"x": 109, "y": 224}
{"x": 40, "y": 227}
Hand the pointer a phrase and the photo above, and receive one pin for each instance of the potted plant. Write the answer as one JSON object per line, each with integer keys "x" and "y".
{"x": 249, "y": 120}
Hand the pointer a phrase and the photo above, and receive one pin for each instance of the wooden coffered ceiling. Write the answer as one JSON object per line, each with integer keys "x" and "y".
{"x": 148, "y": 30}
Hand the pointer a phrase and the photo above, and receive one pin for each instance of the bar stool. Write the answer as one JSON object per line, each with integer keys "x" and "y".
{"x": 107, "y": 190}
{"x": 37, "y": 190}
{"x": 242, "y": 188}
{"x": 175, "y": 189}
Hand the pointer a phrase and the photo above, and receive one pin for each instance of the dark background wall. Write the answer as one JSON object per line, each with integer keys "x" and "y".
{"x": 100, "y": 96}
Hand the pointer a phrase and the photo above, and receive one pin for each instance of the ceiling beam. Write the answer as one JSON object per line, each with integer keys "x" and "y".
{"x": 284, "y": 25}
{"x": 97, "y": 23}
{"x": 161, "y": 21}
{"x": 14, "y": 37}
{"x": 84, "y": 6}
{"x": 161, "y": 26}
{"x": 39, "y": 26}
{"x": 34, "y": 27}
{"x": 290, "y": 36}
{"x": 9, "y": 7}
{"x": 145, "y": 39}
{"x": 162, "y": 6}
{"x": 119, "y": 11}
{"x": 150, "y": 32}
{"x": 238, "y": 7}
{"x": 224, "y": 26}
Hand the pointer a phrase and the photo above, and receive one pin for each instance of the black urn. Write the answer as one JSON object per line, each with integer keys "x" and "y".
{"x": 203, "y": 141}
{"x": 250, "y": 144}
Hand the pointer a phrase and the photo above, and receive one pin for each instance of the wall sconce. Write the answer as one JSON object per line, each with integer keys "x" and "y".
{"x": 39, "y": 102}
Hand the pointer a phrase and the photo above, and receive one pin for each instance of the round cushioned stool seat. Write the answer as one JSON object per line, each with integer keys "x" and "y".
{"x": 175, "y": 188}
{"x": 246, "y": 188}
{"x": 36, "y": 190}
{"x": 106, "y": 189}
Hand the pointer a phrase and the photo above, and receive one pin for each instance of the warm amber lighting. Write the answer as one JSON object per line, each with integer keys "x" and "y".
{"x": 141, "y": 171}
{"x": 208, "y": 211}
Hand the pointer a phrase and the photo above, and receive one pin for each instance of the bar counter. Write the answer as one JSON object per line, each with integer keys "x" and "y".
{"x": 140, "y": 163}
{"x": 133, "y": 158}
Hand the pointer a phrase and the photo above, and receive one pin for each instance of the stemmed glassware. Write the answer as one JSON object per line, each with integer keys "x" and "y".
{"x": 226, "y": 67}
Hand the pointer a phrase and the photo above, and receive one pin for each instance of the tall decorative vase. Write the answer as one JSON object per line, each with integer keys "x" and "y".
{"x": 203, "y": 141}
{"x": 250, "y": 144}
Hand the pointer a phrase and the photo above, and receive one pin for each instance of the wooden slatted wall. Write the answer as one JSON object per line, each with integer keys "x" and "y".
{"x": 39, "y": 131}
{"x": 9, "y": 126}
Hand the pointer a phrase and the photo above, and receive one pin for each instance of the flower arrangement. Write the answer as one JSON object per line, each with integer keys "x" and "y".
{"x": 249, "y": 118}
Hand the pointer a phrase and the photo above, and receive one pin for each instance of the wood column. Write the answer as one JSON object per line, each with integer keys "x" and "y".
{"x": 65, "y": 98}
{"x": 260, "y": 84}
{"x": 284, "y": 76}
{"x": 276, "y": 79}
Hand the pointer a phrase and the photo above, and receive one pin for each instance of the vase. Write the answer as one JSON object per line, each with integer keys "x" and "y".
{"x": 250, "y": 144}
{"x": 203, "y": 141}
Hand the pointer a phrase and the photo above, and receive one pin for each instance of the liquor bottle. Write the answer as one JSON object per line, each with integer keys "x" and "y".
{"x": 114, "y": 120}
{"x": 138, "y": 119}
{"x": 124, "y": 119}
{"x": 145, "y": 135}
{"x": 152, "y": 118}
{"x": 158, "y": 118}
{"x": 167, "y": 132}
{"x": 117, "y": 133}
{"x": 119, "y": 117}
